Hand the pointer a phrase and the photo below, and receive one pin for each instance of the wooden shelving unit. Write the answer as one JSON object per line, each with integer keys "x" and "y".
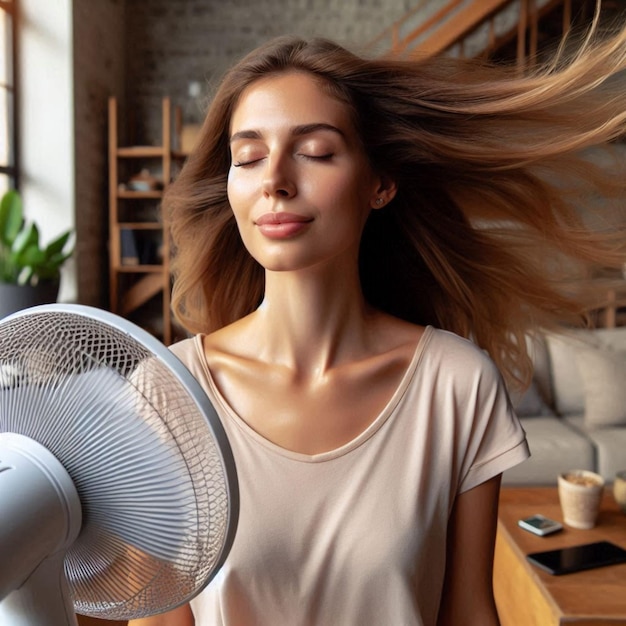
{"x": 139, "y": 247}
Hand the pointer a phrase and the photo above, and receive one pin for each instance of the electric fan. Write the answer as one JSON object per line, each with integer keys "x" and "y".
{"x": 118, "y": 490}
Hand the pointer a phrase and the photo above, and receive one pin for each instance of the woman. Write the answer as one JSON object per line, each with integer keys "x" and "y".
{"x": 342, "y": 228}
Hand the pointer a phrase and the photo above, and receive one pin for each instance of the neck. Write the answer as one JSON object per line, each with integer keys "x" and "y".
{"x": 312, "y": 322}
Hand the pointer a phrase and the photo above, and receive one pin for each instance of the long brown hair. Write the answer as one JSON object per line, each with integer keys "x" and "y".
{"x": 484, "y": 231}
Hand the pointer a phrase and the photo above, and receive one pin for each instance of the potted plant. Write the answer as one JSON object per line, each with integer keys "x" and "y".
{"x": 29, "y": 272}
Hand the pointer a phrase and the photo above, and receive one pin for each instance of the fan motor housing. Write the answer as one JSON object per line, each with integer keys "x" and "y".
{"x": 40, "y": 513}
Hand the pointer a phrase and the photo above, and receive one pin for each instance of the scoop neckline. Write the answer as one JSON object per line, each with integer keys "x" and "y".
{"x": 328, "y": 455}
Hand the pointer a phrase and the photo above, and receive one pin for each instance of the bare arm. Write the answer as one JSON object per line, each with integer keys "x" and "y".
{"x": 467, "y": 598}
{"x": 182, "y": 616}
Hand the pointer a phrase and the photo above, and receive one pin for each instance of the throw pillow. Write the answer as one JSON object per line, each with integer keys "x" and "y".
{"x": 529, "y": 403}
{"x": 569, "y": 396}
{"x": 603, "y": 376}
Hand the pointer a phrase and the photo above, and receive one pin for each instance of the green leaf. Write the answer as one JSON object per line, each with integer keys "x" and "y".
{"x": 8, "y": 272}
{"x": 51, "y": 267}
{"x": 22, "y": 260}
{"x": 31, "y": 256}
{"x": 59, "y": 258}
{"x": 11, "y": 217}
{"x": 28, "y": 237}
{"x": 56, "y": 245}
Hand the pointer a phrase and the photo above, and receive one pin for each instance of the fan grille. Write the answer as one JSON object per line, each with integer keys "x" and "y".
{"x": 138, "y": 445}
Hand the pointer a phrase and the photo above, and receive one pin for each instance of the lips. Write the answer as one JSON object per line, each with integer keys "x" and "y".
{"x": 282, "y": 218}
{"x": 282, "y": 225}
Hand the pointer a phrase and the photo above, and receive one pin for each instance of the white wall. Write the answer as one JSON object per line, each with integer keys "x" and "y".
{"x": 46, "y": 121}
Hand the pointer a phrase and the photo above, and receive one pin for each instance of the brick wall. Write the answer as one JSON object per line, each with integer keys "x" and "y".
{"x": 99, "y": 54}
{"x": 174, "y": 42}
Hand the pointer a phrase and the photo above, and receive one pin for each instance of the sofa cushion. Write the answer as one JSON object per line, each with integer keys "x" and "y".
{"x": 610, "y": 445}
{"x": 529, "y": 403}
{"x": 555, "y": 447}
{"x": 603, "y": 375}
{"x": 567, "y": 385}
{"x": 614, "y": 338}
{"x": 568, "y": 394}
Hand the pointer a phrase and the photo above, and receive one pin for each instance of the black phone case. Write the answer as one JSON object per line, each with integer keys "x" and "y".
{"x": 578, "y": 558}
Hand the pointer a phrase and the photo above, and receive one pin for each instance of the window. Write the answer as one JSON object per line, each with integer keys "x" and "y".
{"x": 8, "y": 127}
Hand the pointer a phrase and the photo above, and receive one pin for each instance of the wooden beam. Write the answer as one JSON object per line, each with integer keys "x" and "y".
{"x": 534, "y": 30}
{"x": 567, "y": 16}
{"x": 492, "y": 33}
{"x": 114, "y": 237}
{"x": 144, "y": 289}
{"x": 522, "y": 25}
{"x": 402, "y": 44}
{"x": 458, "y": 25}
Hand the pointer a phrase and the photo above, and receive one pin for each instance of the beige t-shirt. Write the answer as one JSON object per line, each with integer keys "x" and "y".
{"x": 357, "y": 536}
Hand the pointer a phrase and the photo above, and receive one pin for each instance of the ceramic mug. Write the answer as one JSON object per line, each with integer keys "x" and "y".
{"x": 580, "y": 493}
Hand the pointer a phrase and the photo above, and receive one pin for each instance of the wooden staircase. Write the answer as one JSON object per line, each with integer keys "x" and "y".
{"x": 501, "y": 29}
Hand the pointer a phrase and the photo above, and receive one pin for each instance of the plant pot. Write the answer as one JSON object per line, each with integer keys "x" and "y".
{"x": 17, "y": 297}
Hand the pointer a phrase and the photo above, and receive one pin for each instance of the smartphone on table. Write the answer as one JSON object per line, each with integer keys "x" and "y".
{"x": 540, "y": 525}
{"x": 578, "y": 558}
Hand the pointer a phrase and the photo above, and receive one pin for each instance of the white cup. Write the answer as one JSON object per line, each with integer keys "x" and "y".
{"x": 580, "y": 493}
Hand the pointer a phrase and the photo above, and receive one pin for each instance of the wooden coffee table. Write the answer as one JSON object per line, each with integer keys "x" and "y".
{"x": 528, "y": 596}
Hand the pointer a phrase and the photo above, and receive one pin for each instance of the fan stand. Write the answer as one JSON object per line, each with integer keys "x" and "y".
{"x": 43, "y": 521}
{"x": 27, "y": 605}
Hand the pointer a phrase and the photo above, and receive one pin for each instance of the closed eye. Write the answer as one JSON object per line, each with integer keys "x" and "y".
{"x": 321, "y": 157}
{"x": 247, "y": 163}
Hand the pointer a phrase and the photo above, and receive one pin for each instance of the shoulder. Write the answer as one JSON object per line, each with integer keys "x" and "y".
{"x": 458, "y": 362}
{"x": 458, "y": 352}
{"x": 188, "y": 351}
{"x": 185, "y": 347}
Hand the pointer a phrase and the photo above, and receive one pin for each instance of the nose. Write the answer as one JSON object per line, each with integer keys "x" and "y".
{"x": 279, "y": 179}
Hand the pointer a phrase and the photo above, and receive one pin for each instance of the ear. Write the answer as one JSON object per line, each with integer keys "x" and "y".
{"x": 385, "y": 192}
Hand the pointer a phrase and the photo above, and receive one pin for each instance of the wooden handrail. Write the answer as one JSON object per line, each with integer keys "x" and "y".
{"x": 459, "y": 24}
{"x": 434, "y": 20}
{"x": 450, "y": 25}
{"x": 467, "y": 17}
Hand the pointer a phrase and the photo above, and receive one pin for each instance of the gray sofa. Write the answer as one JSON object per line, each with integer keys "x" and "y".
{"x": 574, "y": 412}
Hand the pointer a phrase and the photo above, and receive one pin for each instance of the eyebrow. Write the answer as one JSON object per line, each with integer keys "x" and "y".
{"x": 296, "y": 131}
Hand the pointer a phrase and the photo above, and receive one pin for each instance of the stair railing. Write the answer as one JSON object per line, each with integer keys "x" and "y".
{"x": 443, "y": 28}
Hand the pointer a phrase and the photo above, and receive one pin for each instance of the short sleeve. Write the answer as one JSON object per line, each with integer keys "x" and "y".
{"x": 497, "y": 440}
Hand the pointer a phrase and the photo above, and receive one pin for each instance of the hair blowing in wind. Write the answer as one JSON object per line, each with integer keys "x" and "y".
{"x": 485, "y": 236}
